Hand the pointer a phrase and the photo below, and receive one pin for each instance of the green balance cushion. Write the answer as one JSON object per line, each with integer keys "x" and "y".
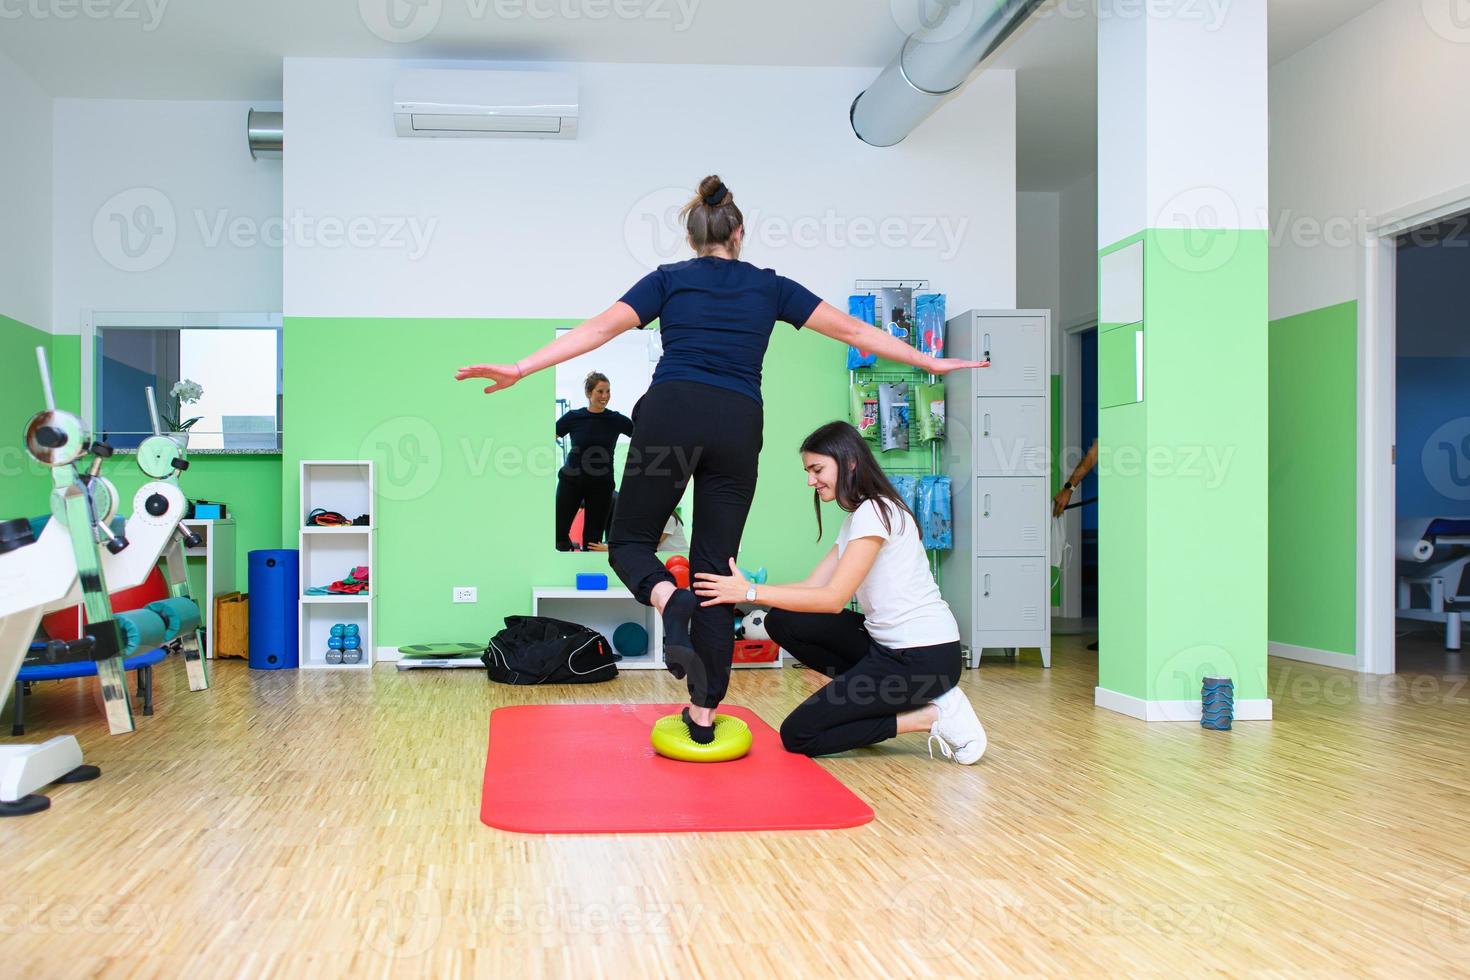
{"x": 670, "y": 738}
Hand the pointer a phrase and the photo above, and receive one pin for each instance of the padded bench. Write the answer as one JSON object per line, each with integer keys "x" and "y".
{"x": 30, "y": 673}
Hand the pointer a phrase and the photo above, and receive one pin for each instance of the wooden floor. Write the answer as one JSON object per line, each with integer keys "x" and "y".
{"x": 326, "y": 824}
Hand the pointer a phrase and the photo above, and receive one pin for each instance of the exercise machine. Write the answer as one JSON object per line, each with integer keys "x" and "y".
{"x": 78, "y": 557}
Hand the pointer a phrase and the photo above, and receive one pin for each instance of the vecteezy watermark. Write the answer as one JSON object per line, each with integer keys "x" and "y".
{"x": 138, "y": 229}
{"x": 938, "y": 21}
{"x": 409, "y": 455}
{"x": 573, "y": 915}
{"x": 406, "y": 21}
{"x": 148, "y": 13}
{"x": 406, "y": 232}
{"x": 1450, "y": 19}
{"x": 135, "y": 230}
{"x": 403, "y": 916}
{"x": 1210, "y": 13}
{"x": 103, "y": 917}
{"x": 1307, "y": 686}
{"x": 1446, "y": 459}
{"x": 654, "y": 233}
{"x": 937, "y": 915}
{"x": 1445, "y": 912}
{"x": 1207, "y": 225}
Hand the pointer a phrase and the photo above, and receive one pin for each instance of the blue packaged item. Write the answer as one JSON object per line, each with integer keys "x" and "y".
{"x": 591, "y": 582}
{"x": 865, "y": 309}
{"x": 935, "y": 524}
{"x": 1217, "y": 703}
{"x": 907, "y": 488}
{"x": 929, "y": 323}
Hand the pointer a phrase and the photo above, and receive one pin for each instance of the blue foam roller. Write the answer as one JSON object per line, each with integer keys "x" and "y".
{"x": 141, "y": 630}
{"x": 180, "y": 615}
{"x": 274, "y": 604}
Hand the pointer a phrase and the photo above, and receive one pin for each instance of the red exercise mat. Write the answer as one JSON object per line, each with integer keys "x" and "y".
{"x": 589, "y": 769}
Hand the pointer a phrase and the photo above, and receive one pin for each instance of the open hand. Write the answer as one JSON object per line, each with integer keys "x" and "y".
{"x": 944, "y": 365}
{"x": 504, "y": 375}
{"x": 721, "y": 590}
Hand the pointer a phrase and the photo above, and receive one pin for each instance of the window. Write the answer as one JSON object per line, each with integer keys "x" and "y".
{"x": 235, "y": 360}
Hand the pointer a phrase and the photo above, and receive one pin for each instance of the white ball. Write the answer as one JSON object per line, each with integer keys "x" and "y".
{"x": 755, "y": 626}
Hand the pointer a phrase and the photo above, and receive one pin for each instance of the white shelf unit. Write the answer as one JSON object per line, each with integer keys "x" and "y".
{"x": 998, "y": 456}
{"x": 605, "y": 610}
{"x": 328, "y": 554}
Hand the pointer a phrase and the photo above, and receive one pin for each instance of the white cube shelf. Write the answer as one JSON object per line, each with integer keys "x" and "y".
{"x": 604, "y": 610}
{"x": 328, "y": 554}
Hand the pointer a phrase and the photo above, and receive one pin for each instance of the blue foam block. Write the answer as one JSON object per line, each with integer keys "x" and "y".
{"x": 591, "y": 581}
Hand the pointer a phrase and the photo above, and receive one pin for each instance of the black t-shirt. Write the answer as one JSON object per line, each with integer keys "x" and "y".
{"x": 594, "y": 434}
{"x": 716, "y": 316}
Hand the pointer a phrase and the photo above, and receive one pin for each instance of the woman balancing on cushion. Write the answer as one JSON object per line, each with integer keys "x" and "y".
{"x": 700, "y": 419}
{"x": 895, "y": 666}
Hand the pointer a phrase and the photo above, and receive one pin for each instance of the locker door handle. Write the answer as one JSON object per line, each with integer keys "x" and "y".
{"x": 987, "y": 587}
{"x": 987, "y": 505}
{"x": 985, "y": 425}
{"x": 986, "y": 346}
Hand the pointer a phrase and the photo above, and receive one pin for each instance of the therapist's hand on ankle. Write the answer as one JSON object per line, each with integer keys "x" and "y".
{"x": 721, "y": 590}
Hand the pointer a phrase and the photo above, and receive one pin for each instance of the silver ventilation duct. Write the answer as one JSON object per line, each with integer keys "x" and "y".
{"x": 934, "y": 62}
{"x": 264, "y": 130}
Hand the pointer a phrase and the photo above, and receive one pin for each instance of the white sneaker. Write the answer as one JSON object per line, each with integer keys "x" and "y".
{"x": 961, "y": 736}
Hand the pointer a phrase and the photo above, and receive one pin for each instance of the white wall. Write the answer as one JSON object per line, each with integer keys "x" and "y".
{"x": 1078, "y": 252}
{"x": 1182, "y": 134}
{"x": 563, "y": 228}
{"x": 159, "y": 207}
{"x": 25, "y": 200}
{"x": 1038, "y": 259}
{"x": 1370, "y": 120}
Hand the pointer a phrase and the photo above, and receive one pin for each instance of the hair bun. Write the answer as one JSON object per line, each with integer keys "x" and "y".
{"x": 713, "y": 192}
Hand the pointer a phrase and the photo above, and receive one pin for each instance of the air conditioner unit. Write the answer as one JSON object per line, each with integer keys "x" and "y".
{"x": 469, "y": 103}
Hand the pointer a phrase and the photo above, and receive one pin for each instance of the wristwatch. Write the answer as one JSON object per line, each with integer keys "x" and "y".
{"x": 750, "y": 593}
{"x": 1068, "y": 486}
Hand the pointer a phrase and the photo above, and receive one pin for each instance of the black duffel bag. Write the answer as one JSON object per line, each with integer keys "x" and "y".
{"x": 542, "y": 650}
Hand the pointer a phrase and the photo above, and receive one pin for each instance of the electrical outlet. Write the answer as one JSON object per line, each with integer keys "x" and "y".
{"x": 465, "y": 593}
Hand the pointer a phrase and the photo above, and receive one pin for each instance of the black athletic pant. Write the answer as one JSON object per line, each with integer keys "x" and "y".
{"x": 574, "y": 492}
{"x": 872, "y": 684}
{"x": 685, "y": 430}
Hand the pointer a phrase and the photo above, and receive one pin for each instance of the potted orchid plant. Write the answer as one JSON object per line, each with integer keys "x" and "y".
{"x": 183, "y": 393}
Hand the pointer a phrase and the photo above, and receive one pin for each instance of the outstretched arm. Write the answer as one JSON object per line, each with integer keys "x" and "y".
{"x": 831, "y": 596}
{"x": 586, "y": 336}
{"x": 829, "y": 321}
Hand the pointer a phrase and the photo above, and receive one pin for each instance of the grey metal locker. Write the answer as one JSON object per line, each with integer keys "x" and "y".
{"x": 997, "y": 578}
{"x": 1011, "y": 436}
{"x": 1010, "y": 518}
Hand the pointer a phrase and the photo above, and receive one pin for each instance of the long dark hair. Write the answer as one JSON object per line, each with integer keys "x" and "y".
{"x": 859, "y": 477}
{"x": 711, "y": 217}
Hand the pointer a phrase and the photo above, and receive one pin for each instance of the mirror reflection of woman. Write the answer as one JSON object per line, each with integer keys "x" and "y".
{"x": 586, "y": 481}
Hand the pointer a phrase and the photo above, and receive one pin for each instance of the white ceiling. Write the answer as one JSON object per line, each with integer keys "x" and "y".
{"x": 195, "y": 49}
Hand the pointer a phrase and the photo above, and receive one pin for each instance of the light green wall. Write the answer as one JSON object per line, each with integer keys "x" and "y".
{"x": 1183, "y": 525}
{"x": 24, "y": 483}
{"x": 1313, "y": 488}
{"x": 466, "y": 480}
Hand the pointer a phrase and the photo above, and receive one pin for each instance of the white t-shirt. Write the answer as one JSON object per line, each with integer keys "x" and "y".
{"x": 900, "y": 600}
